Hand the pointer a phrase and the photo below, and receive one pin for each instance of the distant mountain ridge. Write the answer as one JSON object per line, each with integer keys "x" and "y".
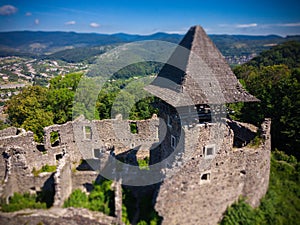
{"x": 33, "y": 43}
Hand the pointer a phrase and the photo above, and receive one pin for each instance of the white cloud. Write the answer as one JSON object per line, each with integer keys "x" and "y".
{"x": 94, "y": 25}
{"x": 37, "y": 21}
{"x": 289, "y": 24}
{"x": 246, "y": 25}
{"x": 72, "y": 22}
{"x": 28, "y": 14}
{"x": 7, "y": 10}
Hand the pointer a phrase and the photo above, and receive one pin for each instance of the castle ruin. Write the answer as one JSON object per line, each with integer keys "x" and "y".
{"x": 207, "y": 160}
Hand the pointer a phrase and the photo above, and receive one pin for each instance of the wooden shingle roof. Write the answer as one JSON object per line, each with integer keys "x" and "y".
{"x": 197, "y": 73}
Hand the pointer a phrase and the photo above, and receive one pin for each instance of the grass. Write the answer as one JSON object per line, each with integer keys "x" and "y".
{"x": 45, "y": 168}
{"x": 23, "y": 201}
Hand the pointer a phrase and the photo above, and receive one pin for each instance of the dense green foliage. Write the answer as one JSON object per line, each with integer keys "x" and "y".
{"x": 287, "y": 54}
{"x": 19, "y": 201}
{"x": 125, "y": 97}
{"x": 274, "y": 78}
{"x": 142, "y": 69}
{"x": 281, "y": 205}
{"x": 3, "y": 125}
{"x": 278, "y": 87}
{"x": 147, "y": 213}
{"x": 100, "y": 199}
{"x": 37, "y": 107}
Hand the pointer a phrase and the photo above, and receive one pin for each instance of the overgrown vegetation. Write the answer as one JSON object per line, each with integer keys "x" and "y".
{"x": 147, "y": 213}
{"x": 274, "y": 78}
{"x": 37, "y": 107}
{"x": 281, "y": 205}
{"x": 45, "y": 168}
{"x": 23, "y": 201}
{"x": 144, "y": 163}
{"x": 100, "y": 199}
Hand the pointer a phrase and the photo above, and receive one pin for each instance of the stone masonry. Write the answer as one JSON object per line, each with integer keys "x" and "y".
{"x": 208, "y": 159}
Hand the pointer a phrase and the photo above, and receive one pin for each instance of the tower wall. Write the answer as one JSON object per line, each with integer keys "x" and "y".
{"x": 185, "y": 198}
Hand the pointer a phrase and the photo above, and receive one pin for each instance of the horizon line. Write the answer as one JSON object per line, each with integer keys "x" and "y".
{"x": 146, "y": 34}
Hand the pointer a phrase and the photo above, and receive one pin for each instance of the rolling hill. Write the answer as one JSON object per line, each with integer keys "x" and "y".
{"x": 66, "y": 45}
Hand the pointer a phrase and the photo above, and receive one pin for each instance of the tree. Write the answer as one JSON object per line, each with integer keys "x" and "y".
{"x": 24, "y": 105}
{"x": 277, "y": 86}
{"x": 37, "y": 107}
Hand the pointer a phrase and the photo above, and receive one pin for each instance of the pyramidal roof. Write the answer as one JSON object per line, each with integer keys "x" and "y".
{"x": 197, "y": 73}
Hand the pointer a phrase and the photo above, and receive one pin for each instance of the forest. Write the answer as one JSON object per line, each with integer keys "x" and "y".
{"x": 273, "y": 77}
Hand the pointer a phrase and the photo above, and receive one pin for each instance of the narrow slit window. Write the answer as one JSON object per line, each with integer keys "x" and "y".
{"x": 169, "y": 121}
{"x": 156, "y": 132}
{"x": 173, "y": 142}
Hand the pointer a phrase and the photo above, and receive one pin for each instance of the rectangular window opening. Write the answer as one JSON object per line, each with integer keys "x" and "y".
{"x": 133, "y": 128}
{"x": 87, "y": 130}
{"x": 54, "y": 138}
{"x": 209, "y": 151}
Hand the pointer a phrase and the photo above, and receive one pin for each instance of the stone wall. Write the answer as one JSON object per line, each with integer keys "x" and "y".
{"x": 116, "y": 133}
{"x": 203, "y": 177}
{"x": 83, "y": 180}
{"x": 10, "y": 131}
{"x": 18, "y": 175}
{"x": 62, "y": 181}
{"x": 208, "y": 185}
{"x": 65, "y": 143}
{"x": 61, "y": 216}
{"x": 258, "y": 168}
{"x": 116, "y": 185}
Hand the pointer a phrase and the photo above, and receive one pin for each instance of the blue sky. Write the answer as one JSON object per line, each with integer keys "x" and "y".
{"x": 146, "y": 17}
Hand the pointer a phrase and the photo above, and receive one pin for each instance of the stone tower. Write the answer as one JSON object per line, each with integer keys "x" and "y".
{"x": 208, "y": 164}
{"x": 194, "y": 85}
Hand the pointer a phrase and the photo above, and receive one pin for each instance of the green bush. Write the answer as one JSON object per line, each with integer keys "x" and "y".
{"x": 144, "y": 163}
{"x": 100, "y": 199}
{"x": 77, "y": 199}
{"x": 147, "y": 215}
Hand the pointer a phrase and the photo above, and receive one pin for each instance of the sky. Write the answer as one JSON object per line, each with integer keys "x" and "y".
{"x": 255, "y": 17}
